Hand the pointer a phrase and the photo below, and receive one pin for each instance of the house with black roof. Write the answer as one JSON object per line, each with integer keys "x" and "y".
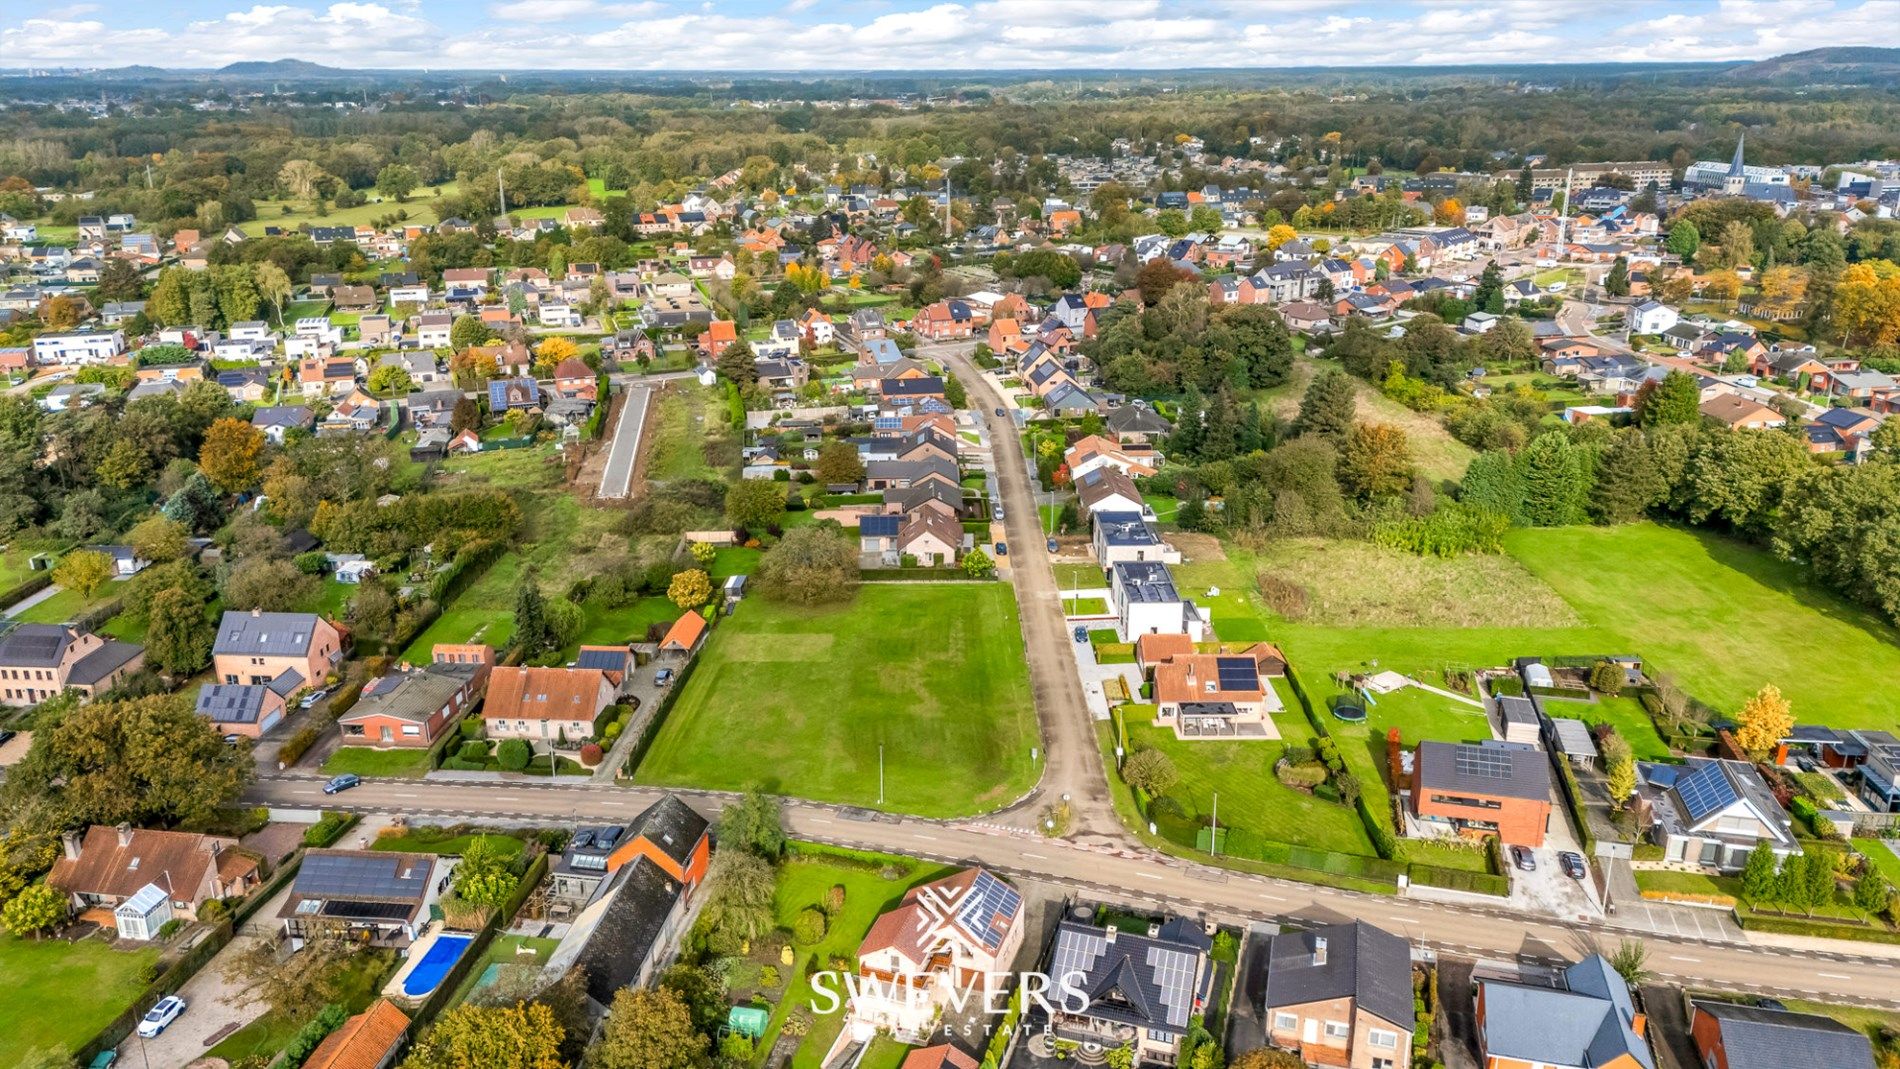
{"x": 1341, "y": 995}
{"x": 1142, "y": 988}
{"x": 40, "y": 661}
{"x": 669, "y": 833}
{"x": 628, "y": 934}
{"x": 1711, "y": 812}
{"x": 377, "y": 896}
{"x": 1736, "y": 1036}
{"x": 1495, "y": 788}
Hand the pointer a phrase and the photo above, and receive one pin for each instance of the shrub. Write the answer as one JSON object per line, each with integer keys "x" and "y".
{"x": 297, "y": 745}
{"x": 513, "y": 755}
{"x": 474, "y": 750}
{"x": 1284, "y": 596}
{"x": 470, "y": 727}
{"x": 808, "y": 928}
{"x": 612, "y": 731}
{"x": 834, "y": 899}
{"x": 1607, "y": 677}
{"x": 591, "y": 755}
{"x": 1308, "y": 776}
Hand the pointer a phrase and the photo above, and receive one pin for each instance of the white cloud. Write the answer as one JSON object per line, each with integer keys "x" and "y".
{"x": 953, "y": 34}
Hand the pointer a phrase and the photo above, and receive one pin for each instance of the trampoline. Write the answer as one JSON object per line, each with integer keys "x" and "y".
{"x": 1350, "y": 713}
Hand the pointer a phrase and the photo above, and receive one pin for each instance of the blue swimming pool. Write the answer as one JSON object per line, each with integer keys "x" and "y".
{"x": 435, "y": 964}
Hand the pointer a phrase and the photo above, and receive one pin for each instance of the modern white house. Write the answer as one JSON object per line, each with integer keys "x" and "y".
{"x": 78, "y": 347}
{"x": 1146, "y": 602}
{"x": 1652, "y": 317}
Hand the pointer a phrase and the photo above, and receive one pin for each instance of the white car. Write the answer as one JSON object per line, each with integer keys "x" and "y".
{"x": 160, "y": 1015}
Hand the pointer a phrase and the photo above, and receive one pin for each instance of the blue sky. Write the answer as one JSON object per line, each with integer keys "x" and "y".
{"x": 702, "y": 35}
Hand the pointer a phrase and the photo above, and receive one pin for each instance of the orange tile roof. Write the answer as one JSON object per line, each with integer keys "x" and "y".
{"x": 365, "y": 1040}
{"x": 685, "y": 632}
{"x": 545, "y": 694}
{"x": 1155, "y": 648}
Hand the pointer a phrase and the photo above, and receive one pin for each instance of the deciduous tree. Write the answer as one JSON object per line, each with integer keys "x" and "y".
{"x": 84, "y": 571}
{"x": 523, "y": 1036}
{"x": 839, "y": 463}
{"x": 178, "y": 636}
{"x": 755, "y": 504}
{"x": 229, "y": 457}
{"x": 809, "y": 566}
{"x": 1150, "y": 770}
{"x": 690, "y": 589}
{"x": 649, "y": 1029}
{"x": 1764, "y": 721}
{"x": 34, "y": 910}
{"x": 1375, "y": 462}
{"x": 754, "y": 823}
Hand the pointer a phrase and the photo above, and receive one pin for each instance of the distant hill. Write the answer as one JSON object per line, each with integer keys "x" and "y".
{"x": 1825, "y": 65}
{"x": 285, "y": 68}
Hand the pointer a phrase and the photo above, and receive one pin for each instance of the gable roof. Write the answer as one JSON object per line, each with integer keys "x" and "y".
{"x": 672, "y": 826}
{"x": 1492, "y": 771}
{"x": 1591, "y": 1023}
{"x": 365, "y": 1041}
{"x": 118, "y": 864}
{"x": 516, "y": 693}
{"x": 972, "y": 907}
{"x": 1149, "y": 982}
{"x": 1755, "y": 1037}
{"x": 267, "y": 634}
{"x": 1369, "y": 965}
{"x": 630, "y": 925}
{"x": 36, "y": 645}
{"x": 685, "y": 631}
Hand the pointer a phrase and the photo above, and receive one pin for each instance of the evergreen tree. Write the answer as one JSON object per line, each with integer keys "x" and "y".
{"x": 1220, "y": 436}
{"x": 1490, "y": 289}
{"x": 1683, "y": 240}
{"x": 1676, "y": 399}
{"x": 1628, "y": 481}
{"x": 1186, "y": 439}
{"x": 533, "y": 633}
{"x": 1526, "y": 188}
{"x": 1494, "y": 482}
{"x": 1557, "y": 481}
{"x": 1617, "y": 284}
{"x": 1327, "y": 409}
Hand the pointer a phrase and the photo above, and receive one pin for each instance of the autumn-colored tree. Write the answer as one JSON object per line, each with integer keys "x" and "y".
{"x": 1867, "y": 303}
{"x": 551, "y": 351}
{"x": 1376, "y": 461}
{"x": 704, "y": 553}
{"x": 1450, "y": 212}
{"x": 690, "y": 589}
{"x": 35, "y": 909}
{"x": 1724, "y": 286}
{"x": 157, "y": 539}
{"x": 523, "y": 1036}
{"x": 1764, "y": 721}
{"x": 1279, "y": 235}
{"x": 59, "y": 313}
{"x": 1784, "y": 288}
{"x": 649, "y": 1029}
{"x": 230, "y": 455}
{"x": 85, "y": 571}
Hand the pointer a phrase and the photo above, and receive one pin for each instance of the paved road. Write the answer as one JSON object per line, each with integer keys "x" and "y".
{"x": 1867, "y": 975}
{"x": 1068, "y": 731}
{"x": 616, "y": 480}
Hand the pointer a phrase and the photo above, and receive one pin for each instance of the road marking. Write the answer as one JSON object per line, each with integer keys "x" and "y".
{"x": 404, "y": 794}
{"x": 1038, "y": 857}
{"x": 926, "y": 838}
{"x": 820, "y": 820}
{"x": 1679, "y": 957}
{"x": 1147, "y": 875}
{"x": 1833, "y": 976}
{"x": 1271, "y": 898}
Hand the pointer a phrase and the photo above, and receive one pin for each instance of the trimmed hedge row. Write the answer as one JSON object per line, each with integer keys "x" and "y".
{"x": 26, "y": 588}
{"x": 1483, "y": 883}
{"x": 1821, "y": 929}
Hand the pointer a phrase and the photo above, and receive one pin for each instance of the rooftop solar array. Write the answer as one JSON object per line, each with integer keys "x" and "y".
{"x": 344, "y": 907}
{"x": 1237, "y": 673}
{"x": 1481, "y": 762}
{"x": 988, "y": 908}
{"x": 1143, "y": 969}
{"x": 357, "y": 875}
{"x": 1706, "y": 790}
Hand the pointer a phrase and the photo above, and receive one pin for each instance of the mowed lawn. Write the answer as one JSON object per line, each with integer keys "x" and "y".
{"x": 1241, "y": 774}
{"x": 59, "y": 994}
{"x": 798, "y": 702}
{"x": 1721, "y": 617}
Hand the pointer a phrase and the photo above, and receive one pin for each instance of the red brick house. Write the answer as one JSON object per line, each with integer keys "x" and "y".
{"x": 1484, "y": 790}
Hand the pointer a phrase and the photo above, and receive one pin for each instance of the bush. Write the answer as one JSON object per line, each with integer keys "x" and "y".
{"x": 1308, "y": 776}
{"x": 1284, "y": 596}
{"x": 834, "y": 899}
{"x": 475, "y": 750}
{"x": 612, "y": 731}
{"x": 297, "y": 745}
{"x": 513, "y": 755}
{"x": 328, "y": 829}
{"x": 591, "y": 755}
{"x": 470, "y": 727}
{"x": 809, "y": 927}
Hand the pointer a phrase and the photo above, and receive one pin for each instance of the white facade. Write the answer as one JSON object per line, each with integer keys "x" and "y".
{"x": 78, "y": 347}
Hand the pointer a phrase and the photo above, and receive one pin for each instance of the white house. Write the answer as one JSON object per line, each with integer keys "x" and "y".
{"x": 433, "y": 329}
{"x": 78, "y": 347}
{"x": 417, "y": 294}
{"x": 1652, "y": 317}
{"x": 1712, "y": 812}
{"x": 254, "y": 330}
{"x": 954, "y": 937}
{"x": 1146, "y": 602}
{"x": 558, "y": 314}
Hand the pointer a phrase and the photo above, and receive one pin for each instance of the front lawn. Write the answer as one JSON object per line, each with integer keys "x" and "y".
{"x": 1880, "y": 852}
{"x": 1692, "y": 884}
{"x": 58, "y": 994}
{"x": 67, "y": 605}
{"x": 802, "y": 702}
{"x": 439, "y": 841}
{"x": 1084, "y": 606}
{"x": 1250, "y": 798}
{"x": 365, "y": 761}
{"x": 264, "y": 1037}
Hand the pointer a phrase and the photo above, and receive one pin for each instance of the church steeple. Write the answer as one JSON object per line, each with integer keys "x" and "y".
{"x": 1735, "y": 165}
{"x": 1737, "y": 181}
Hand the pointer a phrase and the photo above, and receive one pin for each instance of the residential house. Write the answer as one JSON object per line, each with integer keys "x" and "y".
{"x": 1862, "y": 386}
{"x": 249, "y": 710}
{"x": 245, "y": 385}
{"x": 1146, "y": 601}
{"x": 412, "y": 707}
{"x": 1128, "y": 536}
{"x": 903, "y": 474}
{"x": 1730, "y": 1035}
{"x": 862, "y": 326}
{"x": 628, "y": 933}
{"x": 718, "y": 334}
{"x": 1144, "y": 990}
{"x": 326, "y": 377}
{"x": 1651, "y": 317}
{"x": 506, "y": 395}
{"x": 546, "y": 704}
{"x": 41, "y": 661}
{"x": 432, "y": 408}
{"x": 1741, "y": 413}
{"x": 1106, "y": 489}
{"x": 1492, "y": 789}
{"x": 78, "y": 347}
{"x": 434, "y": 330}
{"x": 1840, "y": 430}
{"x": 1587, "y": 1022}
{"x": 1711, "y": 812}
{"x": 358, "y": 413}
{"x": 1220, "y": 696}
{"x": 369, "y": 1040}
{"x": 931, "y": 538}
{"x": 816, "y": 327}
{"x": 379, "y": 898}
{"x": 106, "y": 867}
{"x": 355, "y": 299}
{"x": 376, "y": 330}
{"x": 278, "y": 420}
{"x": 1094, "y": 452}
{"x": 471, "y": 280}
{"x": 669, "y": 833}
{"x": 946, "y": 319}
{"x": 258, "y": 647}
{"x": 1137, "y": 424}
{"x": 1341, "y": 995}
{"x": 574, "y": 379}
{"x": 959, "y": 934}
{"x": 684, "y": 636}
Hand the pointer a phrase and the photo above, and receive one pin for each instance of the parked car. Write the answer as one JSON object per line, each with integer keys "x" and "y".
{"x": 1081, "y": 633}
{"x": 339, "y": 784}
{"x": 6, "y": 737}
{"x": 996, "y": 513}
{"x": 1054, "y": 546}
{"x": 1523, "y": 859}
{"x": 160, "y": 1015}
{"x": 999, "y": 412}
{"x": 103, "y": 1059}
{"x": 233, "y": 739}
{"x": 314, "y": 697}
{"x": 1002, "y": 549}
{"x": 1573, "y": 864}
{"x": 662, "y": 677}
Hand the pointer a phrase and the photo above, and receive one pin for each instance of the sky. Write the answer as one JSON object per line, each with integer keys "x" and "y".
{"x": 806, "y": 35}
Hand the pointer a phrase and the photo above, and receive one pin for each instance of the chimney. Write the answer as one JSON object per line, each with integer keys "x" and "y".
{"x": 1110, "y": 937}
{"x": 69, "y": 845}
{"x": 1319, "y": 950}
{"x": 255, "y": 613}
{"x": 125, "y": 834}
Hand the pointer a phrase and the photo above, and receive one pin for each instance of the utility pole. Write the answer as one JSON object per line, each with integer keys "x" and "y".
{"x": 1213, "y": 825}
{"x": 502, "y": 188}
{"x": 880, "y": 773}
{"x": 1563, "y": 217}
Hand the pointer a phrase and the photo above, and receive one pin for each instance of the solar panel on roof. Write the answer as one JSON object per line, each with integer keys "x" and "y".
{"x": 343, "y": 907}
{"x": 1476, "y": 761}
{"x": 988, "y": 908}
{"x": 1237, "y": 673}
{"x": 1705, "y": 791}
{"x": 332, "y": 875}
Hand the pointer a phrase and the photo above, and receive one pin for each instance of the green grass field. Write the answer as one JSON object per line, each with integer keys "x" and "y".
{"x": 67, "y": 605}
{"x": 1881, "y": 854}
{"x": 1627, "y": 715}
{"x": 88, "y": 983}
{"x": 365, "y": 761}
{"x": 800, "y": 701}
{"x": 1242, "y": 774}
{"x": 684, "y": 421}
{"x": 608, "y": 627}
{"x": 419, "y": 210}
{"x": 429, "y": 841}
